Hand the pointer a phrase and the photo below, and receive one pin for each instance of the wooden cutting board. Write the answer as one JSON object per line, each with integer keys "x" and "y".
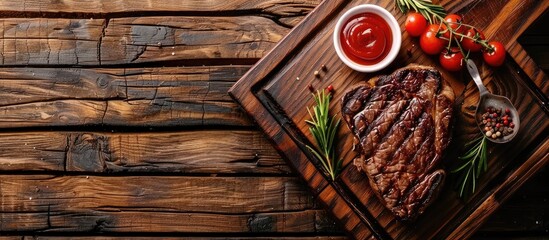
{"x": 275, "y": 94}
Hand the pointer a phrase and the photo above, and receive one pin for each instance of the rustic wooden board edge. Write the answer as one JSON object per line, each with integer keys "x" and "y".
{"x": 330, "y": 199}
{"x": 246, "y": 89}
{"x": 304, "y": 158}
{"x": 239, "y": 91}
{"x": 535, "y": 74}
{"x": 515, "y": 179}
{"x": 522, "y": 58}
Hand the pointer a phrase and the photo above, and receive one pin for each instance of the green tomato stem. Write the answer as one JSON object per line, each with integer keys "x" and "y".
{"x": 452, "y": 32}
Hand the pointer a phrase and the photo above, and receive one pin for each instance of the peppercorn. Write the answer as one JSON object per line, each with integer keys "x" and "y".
{"x": 323, "y": 67}
{"x": 310, "y": 87}
{"x": 496, "y": 123}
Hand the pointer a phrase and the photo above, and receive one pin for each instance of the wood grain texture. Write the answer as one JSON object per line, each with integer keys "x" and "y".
{"x": 50, "y": 41}
{"x": 199, "y": 152}
{"x": 515, "y": 17}
{"x": 171, "y": 96}
{"x": 138, "y": 221}
{"x": 534, "y": 40}
{"x": 47, "y": 41}
{"x": 187, "y": 152}
{"x": 42, "y": 152}
{"x": 281, "y": 8}
{"x": 135, "y": 40}
{"x": 335, "y": 237}
{"x": 156, "y": 204}
{"x": 530, "y": 67}
{"x": 345, "y": 215}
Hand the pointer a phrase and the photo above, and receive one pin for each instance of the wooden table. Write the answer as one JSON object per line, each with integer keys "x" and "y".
{"x": 116, "y": 122}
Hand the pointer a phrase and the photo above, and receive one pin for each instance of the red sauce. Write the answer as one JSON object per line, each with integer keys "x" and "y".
{"x": 366, "y": 38}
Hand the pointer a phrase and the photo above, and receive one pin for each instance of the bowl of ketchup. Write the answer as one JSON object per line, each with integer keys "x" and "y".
{"x": 367, "y": 38}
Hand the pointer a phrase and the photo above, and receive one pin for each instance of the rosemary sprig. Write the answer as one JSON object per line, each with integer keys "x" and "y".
{"x": 323, "y": 127}
{"x": 426, "y": 7}
{"x": 475, "y": 163}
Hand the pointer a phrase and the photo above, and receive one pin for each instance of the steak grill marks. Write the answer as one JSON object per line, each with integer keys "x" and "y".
{"x": 401, "y": 124}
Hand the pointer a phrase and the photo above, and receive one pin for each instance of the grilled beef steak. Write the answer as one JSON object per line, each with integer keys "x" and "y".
{"x": 401, "y": 127}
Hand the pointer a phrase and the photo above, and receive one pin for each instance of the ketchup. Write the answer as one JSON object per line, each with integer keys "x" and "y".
{"x": 366, "y": 38}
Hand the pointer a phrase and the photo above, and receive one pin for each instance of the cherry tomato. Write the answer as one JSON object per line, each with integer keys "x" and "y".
{"x": 451, "y": 60}
{"x": 415, "y": 24}
{"x": 469, "y": 44}
{"x": 496, "y": 55}
{"x": 429, "y": 42}
{"x": 454, "y": 21}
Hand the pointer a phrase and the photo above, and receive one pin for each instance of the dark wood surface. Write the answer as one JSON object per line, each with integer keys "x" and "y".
{"x": 117, "y": 123}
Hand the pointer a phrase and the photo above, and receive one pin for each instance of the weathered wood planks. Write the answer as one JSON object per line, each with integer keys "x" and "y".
{"x": 243, "y": 237}
{"x": 93, "y": 42}
{"x": 156, "y": 204}
{"x": 33, "y": 151}
{"x": 273, "y": 7}
{"x": 134, "y": 40}
{"x": 50, "y": 41}
{"x": 197, "y": 152}
{"x": 154, "y": 97}
{"x": 116, "y": 97}
{"x": 61, "y": 41}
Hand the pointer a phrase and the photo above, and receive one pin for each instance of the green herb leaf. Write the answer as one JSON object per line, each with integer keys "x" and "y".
{"x": 475, "y": 163}
{"x": 324, "y": 127}
{"x": 425, "y": 7}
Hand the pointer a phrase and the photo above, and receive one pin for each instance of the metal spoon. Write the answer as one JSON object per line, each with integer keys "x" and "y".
{"x": 491, "y": 100}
